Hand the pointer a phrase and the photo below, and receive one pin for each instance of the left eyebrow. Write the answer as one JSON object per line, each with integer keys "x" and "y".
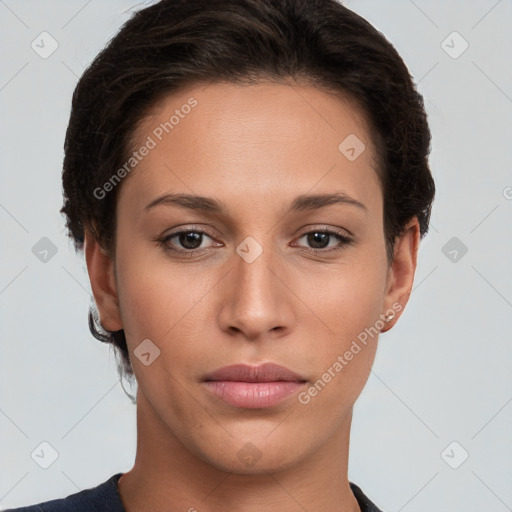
{"x": 315, "y": 202}
{"x": 301, "y": 203}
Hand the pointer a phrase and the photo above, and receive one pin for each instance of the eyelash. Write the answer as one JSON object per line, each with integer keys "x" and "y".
{"x": 342, "y": 239}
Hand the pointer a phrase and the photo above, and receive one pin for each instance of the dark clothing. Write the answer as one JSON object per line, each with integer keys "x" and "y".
{"x": 105, "y": 498}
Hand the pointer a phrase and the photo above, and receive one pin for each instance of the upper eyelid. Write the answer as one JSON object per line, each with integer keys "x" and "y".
{"x": 201, "y": 231}
{"x": 326, "y": 229}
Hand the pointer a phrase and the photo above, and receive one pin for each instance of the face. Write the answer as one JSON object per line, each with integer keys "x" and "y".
{"x": 247, "y": 235}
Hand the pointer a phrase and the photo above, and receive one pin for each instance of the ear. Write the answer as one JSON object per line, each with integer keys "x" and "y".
{"x": 101, "y": 275}
{"x": 401, "y": 271}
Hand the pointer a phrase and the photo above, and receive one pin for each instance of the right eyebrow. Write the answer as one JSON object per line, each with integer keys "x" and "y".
{"x": 190, "y": 201}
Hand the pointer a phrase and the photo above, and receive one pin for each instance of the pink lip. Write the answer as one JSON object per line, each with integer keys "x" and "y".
{"x": 253, "y": 387}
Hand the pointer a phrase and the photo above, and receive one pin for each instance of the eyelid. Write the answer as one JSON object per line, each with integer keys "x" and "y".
{"x": 343, "y": 232}
{"x": 186, "y": 228}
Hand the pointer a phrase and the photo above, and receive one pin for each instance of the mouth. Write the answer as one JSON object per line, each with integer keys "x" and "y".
{"x": 253, "y": 387}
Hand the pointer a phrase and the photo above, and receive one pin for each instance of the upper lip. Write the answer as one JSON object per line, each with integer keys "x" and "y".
{"x": 267, "y": 372}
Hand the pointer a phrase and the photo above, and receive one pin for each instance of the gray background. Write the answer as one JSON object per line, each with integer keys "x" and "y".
{"x": 442, "y": 375}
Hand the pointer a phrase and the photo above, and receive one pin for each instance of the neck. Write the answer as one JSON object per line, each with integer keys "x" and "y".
{"x": 167, "y": 474}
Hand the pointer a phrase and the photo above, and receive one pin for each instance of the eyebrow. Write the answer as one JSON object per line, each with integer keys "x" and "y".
{"x": 207, "y": 204}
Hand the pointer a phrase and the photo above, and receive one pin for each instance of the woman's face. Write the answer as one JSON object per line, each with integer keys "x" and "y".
{"x": 284, "y": 262}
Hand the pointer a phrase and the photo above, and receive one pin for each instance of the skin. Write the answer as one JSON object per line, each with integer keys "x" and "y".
{"x": 256, "y": 149}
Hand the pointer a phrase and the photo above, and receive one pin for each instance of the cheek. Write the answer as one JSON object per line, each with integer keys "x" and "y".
{"x": 159, "y": 307}
{"x": 150, "y": 300}
{"x": 346, "y": 299}
{"x": 158, "y": 301}
{"x": 345, "y": 308}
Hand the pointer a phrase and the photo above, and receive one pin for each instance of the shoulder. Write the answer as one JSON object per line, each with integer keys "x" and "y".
{"x": 102, "y": 498}
{"x": 364, "y": 502}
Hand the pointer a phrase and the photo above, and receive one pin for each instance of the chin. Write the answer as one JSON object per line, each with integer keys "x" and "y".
{"x": 258, "y": 455}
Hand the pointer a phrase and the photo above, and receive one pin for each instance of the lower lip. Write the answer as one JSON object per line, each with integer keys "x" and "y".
{"x": 253, "y": 395}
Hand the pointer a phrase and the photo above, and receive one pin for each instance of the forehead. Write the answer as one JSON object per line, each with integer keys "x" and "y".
{"x": 252, "y": 141}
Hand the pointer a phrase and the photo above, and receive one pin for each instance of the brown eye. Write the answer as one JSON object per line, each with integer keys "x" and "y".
{"x": 318, "y": 240}
{"x": 190, "y": 239}
{"x": 187, "y": 241}
{"x": 325, "y": 241}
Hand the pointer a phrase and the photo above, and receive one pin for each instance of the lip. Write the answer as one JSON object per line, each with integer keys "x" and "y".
{"x": 253, "y": 387}
{"x": 267, "y": 372}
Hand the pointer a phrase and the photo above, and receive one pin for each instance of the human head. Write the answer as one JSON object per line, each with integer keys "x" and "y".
{"x": 176, "y": 43}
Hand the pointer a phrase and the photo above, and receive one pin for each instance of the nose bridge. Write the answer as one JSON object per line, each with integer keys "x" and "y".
{"x": 257, "y": 302}
{"x": 253, "y": 267}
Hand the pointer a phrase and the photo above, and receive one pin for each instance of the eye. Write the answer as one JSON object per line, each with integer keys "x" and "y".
{"x": 186, "y": 241}
{"x": 322, "y": 240}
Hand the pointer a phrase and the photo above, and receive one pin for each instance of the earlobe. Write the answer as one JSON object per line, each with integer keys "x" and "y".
{"x": 401, "y": 272}
{"x": 101, "y": 275}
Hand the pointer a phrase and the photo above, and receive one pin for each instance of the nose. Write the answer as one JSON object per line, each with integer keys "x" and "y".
{"x": 256, "y": 303}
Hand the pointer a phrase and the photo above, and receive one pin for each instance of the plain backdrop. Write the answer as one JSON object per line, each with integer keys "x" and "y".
{"x": 432, "y": 428}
